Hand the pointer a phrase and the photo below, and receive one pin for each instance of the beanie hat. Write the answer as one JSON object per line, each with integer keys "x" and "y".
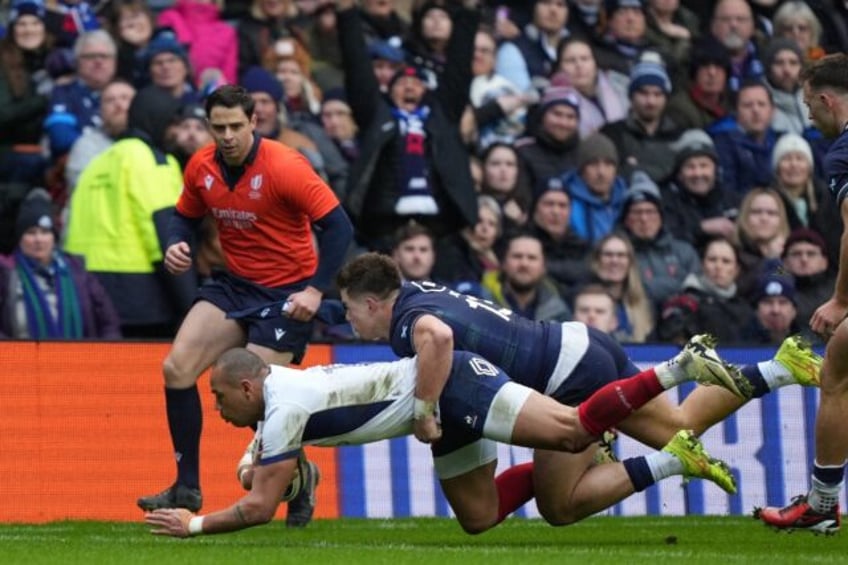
{"x": 649, "y": 73}
{"x": 558, "y": 94}
{"x": 164, "y": 41}
{"x": 788, "y": 143}
{"x": 642, "y": 189}
{"x": 257, "y": 79}
{"x": 777, "y": 45}
{"x": 692, "y": 143}
{"x": 26, "y": 7}
{"x": 596, "y": 147}
{"x": 613, "y": 5}
{"x": 35, "y": 210}
{"x": 409, "y": 71}
{"x": 776, "y": 284}
{"x": 805, "y": 235}
{"x": 709, "y": 51}
{"x": 388, "y": 50}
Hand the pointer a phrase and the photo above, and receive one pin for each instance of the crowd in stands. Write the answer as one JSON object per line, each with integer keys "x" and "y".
{"x": 645, "y": 166}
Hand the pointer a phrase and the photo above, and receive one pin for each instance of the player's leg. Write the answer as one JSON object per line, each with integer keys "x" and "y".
{"x": 818, "y": 511}
{"x": 569, "y": 487}
{"x": 203, "y": 336}
{"x": 473, "y": 497}
{"x": 656, "y": 423}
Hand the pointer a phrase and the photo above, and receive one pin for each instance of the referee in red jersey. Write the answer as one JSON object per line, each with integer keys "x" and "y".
{"x": 265, "y": 199}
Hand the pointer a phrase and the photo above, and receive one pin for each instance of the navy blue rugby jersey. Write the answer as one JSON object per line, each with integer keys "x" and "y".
{"x": 525, "y": 349}
{"x": 836, "y": 167}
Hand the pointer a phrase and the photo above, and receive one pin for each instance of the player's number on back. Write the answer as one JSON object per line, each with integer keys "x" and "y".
{"x": 472, "y": 301}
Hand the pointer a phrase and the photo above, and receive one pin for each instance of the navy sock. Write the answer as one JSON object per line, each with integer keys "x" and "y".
{"x": 639, "y": 472}
{"x": 185, "y": 421}
{"x": 830, "y": 475}
{"x": 753, "y": 374}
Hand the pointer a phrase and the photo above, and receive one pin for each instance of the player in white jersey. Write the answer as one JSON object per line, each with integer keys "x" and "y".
{"x": 338, "y": 404}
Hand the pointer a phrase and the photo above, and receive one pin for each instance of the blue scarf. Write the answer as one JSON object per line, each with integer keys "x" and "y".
{"x": 415, "y": 193}
{"x": 41, "y": 322}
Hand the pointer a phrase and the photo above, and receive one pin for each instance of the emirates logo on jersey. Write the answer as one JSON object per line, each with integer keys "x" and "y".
{"x": 255, "y": 185}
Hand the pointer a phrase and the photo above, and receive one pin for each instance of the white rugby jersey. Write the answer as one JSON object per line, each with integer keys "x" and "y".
{"x": 335, "y": 405}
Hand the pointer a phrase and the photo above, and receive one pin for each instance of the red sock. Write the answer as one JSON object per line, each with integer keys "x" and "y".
{"x": 615, "y": 401}
{"x": 515, "y": 488}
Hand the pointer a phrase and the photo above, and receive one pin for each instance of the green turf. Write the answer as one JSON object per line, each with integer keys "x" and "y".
{"x": 601, "y": 540}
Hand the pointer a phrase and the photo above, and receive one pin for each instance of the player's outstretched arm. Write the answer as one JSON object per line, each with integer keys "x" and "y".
{"x": 255, "y": 508}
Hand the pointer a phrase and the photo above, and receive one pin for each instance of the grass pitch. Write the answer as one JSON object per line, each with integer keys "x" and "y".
{"x": 601, "y": 540}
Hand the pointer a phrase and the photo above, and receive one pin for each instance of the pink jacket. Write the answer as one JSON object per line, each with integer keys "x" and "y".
{"x": 212, "y": 42}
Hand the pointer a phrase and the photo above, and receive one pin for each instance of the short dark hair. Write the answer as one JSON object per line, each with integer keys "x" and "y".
{"x": 750, "y": 83}
{"x": 231, "y": 96}
{"x": 829, "y": 71}
{"x": 409, "y": 231}
{"x": 370, "y": 273}
{"x": 593, "y": 289}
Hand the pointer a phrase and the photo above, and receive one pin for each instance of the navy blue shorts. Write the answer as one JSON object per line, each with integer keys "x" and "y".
{"x": 605, "y": 361}
{"x": 280, "y": 333}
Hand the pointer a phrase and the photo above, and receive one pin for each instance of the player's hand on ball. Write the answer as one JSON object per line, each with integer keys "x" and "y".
{"x": 169, "y": 522}
{"x": 427, "y": 429}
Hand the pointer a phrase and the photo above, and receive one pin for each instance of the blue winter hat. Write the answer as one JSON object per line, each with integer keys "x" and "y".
{"x": 776, "y": 284}
{"x": 26, "y": 7}
{"x": 649, "y": 73}
{"x": 164, "y": 41}
{"x": 388, "y": 50}
{"x": 257, "y": 79}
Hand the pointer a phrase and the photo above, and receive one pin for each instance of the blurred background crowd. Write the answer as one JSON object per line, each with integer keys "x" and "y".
{"x": 645, "y": 166}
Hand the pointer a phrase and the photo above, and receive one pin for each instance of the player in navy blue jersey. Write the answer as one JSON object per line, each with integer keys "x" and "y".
{"x": 568, "y": 361}
{"x": 826, "y": 96}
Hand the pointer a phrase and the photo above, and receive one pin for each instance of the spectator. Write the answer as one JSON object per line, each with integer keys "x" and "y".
{"x": 522, "y": 285}
{"x": 529, "y": 59}
{"x": 795, "y": 21}
{"x": 46, "y": 293}
{"x": 212, "y": 42}
{"x": 595, "y": 188}
{"x": 464, "y": 258}
{"x": 805, "y": 258}
{"x": 708, "y": 302}
{"x": 672, "y": 28}
{"x": 498, "y": 107}
{"x": 594, "y": 306}
{"x": 76, "y": 105}
{"x": 664, "y": 261}
{"x": 602, "y": 99}
{"x": 761, "y": 232}
{"x": 624, "y": 38}
{"x": 412, "y": 165}
{"x": 744, "y": 151}
{"x": 387, "y": 58}
{"x": 566, "y": 254}
{"x": 776, "y": 316}
{"x": 115, "y": 102}
{"x": 695, "y": 203}
{"x": 783, "y": 60}
{"x": 732, "y": 24}
{"x": 189, "y": 132}
{"x": 706, "y": 99}
{"x": 429, "y": 34}
{"x": 802, "y": 192}
{"x": 321, "y": 36}
{"x": 644, "y": 138}
{"x": 68, "y": 19}
{"x": 380, "y": 20}
{"x": 550, "y": 148}
{"x": 833, "y": 17}
{"x": 118, "y": 216}
{"x": 131, "y": 23}
{"x": 614, "y": 266}
{"x": 25, "y": 89}
{"x": 290, "y": 62}
{"x": 166, "y": 61}
{"x": 501, "y": 181}
{"x": 414, "y": 252}
{"x": 337, "y": 119}
{"x": 267, "y": 21}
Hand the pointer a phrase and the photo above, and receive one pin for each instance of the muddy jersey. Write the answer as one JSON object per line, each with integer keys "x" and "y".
{"x": 540, "y": 355}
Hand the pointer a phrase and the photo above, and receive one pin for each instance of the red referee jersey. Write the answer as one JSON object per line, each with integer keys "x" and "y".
{"x": 264, "y": 222}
